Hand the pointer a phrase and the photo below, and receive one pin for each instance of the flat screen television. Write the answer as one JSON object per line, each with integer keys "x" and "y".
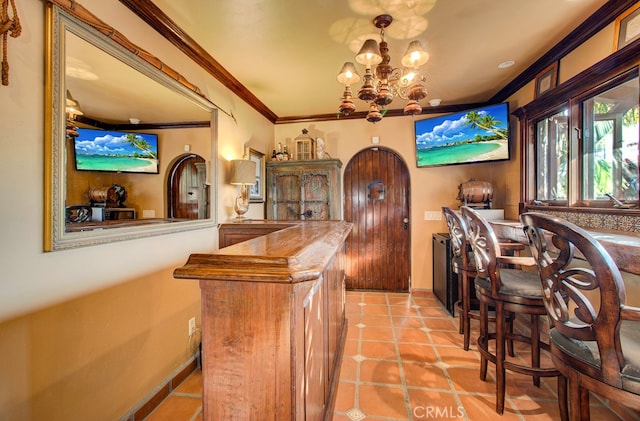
{"x": 471, "y": 136}
{"x": 116, "y": 151}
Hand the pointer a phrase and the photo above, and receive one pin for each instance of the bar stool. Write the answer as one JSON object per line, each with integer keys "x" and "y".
{"x": 463, "y": 265}
{"x": 595, "y": 337}
{"x": 507, "y": 290}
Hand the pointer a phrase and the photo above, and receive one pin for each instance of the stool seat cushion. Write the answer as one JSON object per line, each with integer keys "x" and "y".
{"x": 516, "y": 282}
{"x": 587, "y": 352}
{"x": 457, "y": 265}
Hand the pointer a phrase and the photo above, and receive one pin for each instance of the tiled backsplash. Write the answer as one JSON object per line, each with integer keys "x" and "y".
{"x": 597, "y": 221}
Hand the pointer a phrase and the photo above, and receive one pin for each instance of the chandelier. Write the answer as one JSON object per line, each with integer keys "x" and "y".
{"x": 379, "y": 88}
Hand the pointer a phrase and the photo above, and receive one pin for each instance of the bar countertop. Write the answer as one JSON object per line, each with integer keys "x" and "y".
{"x": 624, "y": 247}
{"x": 296, "y": 253}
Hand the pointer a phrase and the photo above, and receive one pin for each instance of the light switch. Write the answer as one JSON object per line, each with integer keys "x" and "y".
{"x": 432, "y": 215}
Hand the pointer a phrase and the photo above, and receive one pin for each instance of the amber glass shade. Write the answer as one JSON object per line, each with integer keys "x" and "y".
{"x": 415, "y": 56}
{"x": 369, "y": 54}
{"x": 348, "y": 75}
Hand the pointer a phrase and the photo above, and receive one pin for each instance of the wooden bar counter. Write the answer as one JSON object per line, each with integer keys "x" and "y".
{"x": 624, "y": 247}
{"x": 273, "y": 323}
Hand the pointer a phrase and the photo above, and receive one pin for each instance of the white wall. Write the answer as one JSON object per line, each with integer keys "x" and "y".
{"x": 30, "y": 278}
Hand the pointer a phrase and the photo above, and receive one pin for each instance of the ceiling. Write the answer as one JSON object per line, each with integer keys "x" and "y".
{"x": 288, "y": 52}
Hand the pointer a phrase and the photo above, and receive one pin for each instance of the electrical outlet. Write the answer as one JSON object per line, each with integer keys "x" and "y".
{"x": 432, "y": 215}
{"x": 192, "y": 326}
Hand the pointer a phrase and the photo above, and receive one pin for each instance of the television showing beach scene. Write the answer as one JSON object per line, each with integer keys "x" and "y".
{"x": 116, "y": 151}
{"x": 476, "y": 135}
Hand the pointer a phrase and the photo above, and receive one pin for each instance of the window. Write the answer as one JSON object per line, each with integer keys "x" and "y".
{"x": 610, "y": 143}
{"x": 552, "y": 148}
{"x": 580, "y": 142}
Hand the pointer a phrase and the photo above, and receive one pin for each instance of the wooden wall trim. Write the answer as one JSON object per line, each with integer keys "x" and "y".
{"x": 85, "y": 16}
{"x": 594, "y": 23}
{"x": 159, "y": 21}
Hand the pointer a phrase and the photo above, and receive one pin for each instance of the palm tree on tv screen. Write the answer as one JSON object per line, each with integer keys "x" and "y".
{"x": 485, "y": 122}
{"x": 140, "y": 143}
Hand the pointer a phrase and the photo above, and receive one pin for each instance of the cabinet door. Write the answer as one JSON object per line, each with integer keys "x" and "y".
{"x": 287, "y": 192}
{"x": 304, "y": 190}
{"x": 316, "y": 195}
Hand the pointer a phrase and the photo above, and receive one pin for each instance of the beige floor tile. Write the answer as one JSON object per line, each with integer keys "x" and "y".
{"x": 381, "y": 372}
{"x": 406, "y": 321}
{"x": 375, "y": 320}
{"x": 456, "y": 356}
{"x": 417, "y": 353}
{"x": 434, "y": 405}
{"x": 378, "y": 350}
{"x": 423, "y": 374}
{"x": 345, "y": 396}
{"x": 377, "y": 334}
{"x": 192, "y": 384}
{"x": 176, "y": 408}
{"x": 482, "y": 408}
{"x": 375, "y": 309}
{"x": 412, "y": 335}
{"x": 377, "y": 401}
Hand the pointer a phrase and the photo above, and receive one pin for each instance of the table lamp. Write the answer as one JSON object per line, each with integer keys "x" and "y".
{"x": 243, "y": 174}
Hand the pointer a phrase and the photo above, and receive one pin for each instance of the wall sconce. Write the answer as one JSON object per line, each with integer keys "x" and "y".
{"x": 243, "y": 174}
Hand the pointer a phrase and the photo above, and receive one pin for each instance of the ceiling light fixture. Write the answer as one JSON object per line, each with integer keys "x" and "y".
{"x": 506, "y": 64}
{"x": 380, "y": 88}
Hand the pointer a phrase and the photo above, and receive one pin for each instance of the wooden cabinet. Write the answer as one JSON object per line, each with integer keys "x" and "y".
{"x": 304, "y": 189}
{"x": 273, "y": 323}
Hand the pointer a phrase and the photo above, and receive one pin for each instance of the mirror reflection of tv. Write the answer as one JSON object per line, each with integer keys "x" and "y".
{"x": 472, "y": 136}
{"x": 116, "y": 151}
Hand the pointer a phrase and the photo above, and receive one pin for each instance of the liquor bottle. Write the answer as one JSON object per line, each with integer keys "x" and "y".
{"x": 273, "y": 156}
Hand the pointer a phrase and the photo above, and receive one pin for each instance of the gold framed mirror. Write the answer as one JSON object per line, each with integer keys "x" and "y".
{"x": 99, "y": 82}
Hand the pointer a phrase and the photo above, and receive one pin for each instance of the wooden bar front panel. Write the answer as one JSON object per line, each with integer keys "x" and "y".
{"x": 273, "y": 324}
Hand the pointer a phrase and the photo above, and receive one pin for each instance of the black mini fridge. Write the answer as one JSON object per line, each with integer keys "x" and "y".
{"x": 445, "y": 282}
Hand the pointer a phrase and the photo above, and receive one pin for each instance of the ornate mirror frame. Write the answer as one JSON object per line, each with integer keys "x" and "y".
{"x": 69, "y": 17}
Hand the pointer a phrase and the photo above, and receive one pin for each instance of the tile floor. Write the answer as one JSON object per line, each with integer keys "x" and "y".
{"x": 403, "y": 360}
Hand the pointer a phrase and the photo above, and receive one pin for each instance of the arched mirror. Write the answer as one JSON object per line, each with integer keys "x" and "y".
{"x": 117, "y": 119}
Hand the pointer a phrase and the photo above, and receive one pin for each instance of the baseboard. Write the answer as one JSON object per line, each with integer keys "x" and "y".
{"x": 417, "y": 292}
{"x": 160, "y": 393}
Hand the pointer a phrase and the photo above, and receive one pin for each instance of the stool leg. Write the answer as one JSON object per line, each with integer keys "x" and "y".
{"x": 460, "y": 303}
{"x": 500, "y": 357}
{"x": 562, "y": 398}
{"x": 484, "y": 329}
{"x": 535, "y": 346}
{"x": 466, "y": 308}
{"x": 510, "y": 324}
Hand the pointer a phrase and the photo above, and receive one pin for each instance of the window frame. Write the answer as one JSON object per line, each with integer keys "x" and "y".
{"x": 617, "y": 68}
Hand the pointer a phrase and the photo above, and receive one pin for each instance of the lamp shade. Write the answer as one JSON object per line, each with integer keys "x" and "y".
{"x": 72, "y": 106}
{"x": 243, "y": 171}
{"x": 369, "y": 54}
{"x": 348, "y": 75}
{"x": 415, "y": 56}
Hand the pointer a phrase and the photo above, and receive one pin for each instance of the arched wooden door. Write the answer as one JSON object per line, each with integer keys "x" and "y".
{"x": 376, "y": 186}
{"x": 187, "y": 192}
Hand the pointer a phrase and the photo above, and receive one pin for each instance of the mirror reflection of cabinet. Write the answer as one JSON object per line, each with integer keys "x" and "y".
{"x": 304, "y": 190}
